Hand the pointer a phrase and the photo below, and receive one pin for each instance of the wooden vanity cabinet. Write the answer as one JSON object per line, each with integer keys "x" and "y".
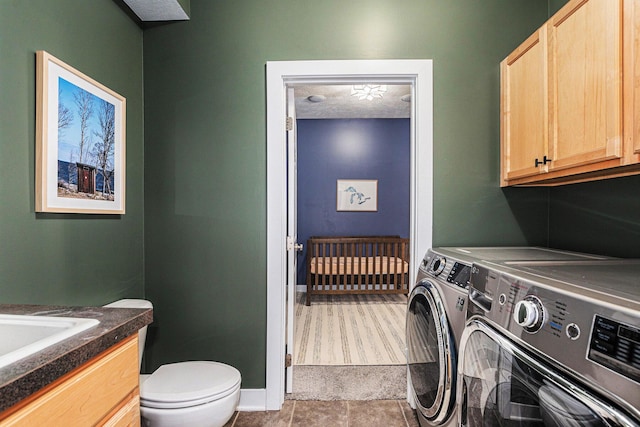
{"x": 102, "y": 392}
{"x": 566, "y": 124}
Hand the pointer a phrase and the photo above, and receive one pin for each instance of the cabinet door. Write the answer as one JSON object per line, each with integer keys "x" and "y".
{"x": 523, "y": 105}
{"x": 128, "y": 415}
{"x": 86, "y": 395}
{"x": 632, "y": 78}
{"x": 585, "y": 67}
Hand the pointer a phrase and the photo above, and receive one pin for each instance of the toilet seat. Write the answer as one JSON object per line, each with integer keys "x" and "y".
{"x": 186, "y": 384}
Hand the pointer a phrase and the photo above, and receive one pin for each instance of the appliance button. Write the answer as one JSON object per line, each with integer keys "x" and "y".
{"x": 602, "y": 347}
{"x": 622, "y": 343}
{"x": 604, "y": 336}
{"x": 502, "y": 299}
{"x": 573, "y": 331}
{"x": 606, "y": 324}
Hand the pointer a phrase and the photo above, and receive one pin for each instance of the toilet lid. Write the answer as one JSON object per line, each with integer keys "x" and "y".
{"x": 179, "y": 385}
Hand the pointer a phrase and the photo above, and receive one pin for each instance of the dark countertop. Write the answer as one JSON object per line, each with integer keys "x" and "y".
{"x": 30, "y": 374}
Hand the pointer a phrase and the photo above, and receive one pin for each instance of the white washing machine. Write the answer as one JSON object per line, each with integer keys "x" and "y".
{"x": 436, "y": 316}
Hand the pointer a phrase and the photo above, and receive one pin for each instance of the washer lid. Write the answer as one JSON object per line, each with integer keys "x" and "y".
{"x": 186, "y": 382}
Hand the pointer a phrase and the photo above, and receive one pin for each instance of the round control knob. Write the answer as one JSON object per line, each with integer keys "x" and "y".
{"x": 529, "y": 313}
{"x": 438, "y": 264}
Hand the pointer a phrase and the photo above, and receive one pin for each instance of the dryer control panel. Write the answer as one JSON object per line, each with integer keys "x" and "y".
{"x": 455, "y": 272}
{"x": 616, "y": 346}
{"x": 459, "y": 275}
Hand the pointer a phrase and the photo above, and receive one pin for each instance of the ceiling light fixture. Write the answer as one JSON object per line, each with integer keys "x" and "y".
{"x": 368, "y": 91}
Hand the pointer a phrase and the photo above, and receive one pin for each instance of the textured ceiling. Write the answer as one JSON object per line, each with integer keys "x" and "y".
{"x": 339, "y": 104}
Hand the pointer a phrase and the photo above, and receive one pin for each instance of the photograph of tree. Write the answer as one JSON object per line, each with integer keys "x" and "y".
{"x": 86, "y": 126}
{"x": 80, "y": 141}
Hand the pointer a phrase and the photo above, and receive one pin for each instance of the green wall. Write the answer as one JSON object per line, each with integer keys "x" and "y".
{"x": 555, "y": 5}
{"x": 203, "y": 262}
{"x": 601, "y": 217}
{"x": 205, "y": 149}
{"x": 56, "y": 258}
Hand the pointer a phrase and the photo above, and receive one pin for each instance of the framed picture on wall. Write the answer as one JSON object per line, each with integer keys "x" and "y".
{"x": 80, "y": 141}
{"x": 357, "y": 195}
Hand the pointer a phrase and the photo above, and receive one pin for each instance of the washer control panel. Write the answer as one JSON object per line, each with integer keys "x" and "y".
{"x": 455, "y": 272}
{"x": 616, "y": 346}
{"x": 459, "y": 275}
{"x": 567, "y": 327}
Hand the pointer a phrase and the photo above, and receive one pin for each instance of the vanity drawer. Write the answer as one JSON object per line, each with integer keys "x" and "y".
{"x": 89, "y": 395}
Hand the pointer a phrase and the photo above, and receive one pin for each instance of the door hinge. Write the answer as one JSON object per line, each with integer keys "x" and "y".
{"x": 292, "y": 245}
{"x": 287, "y": 361}
{"x": 289, "y": 124}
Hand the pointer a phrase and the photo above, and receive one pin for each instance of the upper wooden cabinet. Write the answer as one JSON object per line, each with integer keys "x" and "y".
{"x": 524, "y": 100}
{"x": 562, "y": 110}
{"x": 585, "y": 83}
{"x": 632, "y": 76}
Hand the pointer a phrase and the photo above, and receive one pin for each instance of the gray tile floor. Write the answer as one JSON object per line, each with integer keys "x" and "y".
{"x": 338, "y": 413}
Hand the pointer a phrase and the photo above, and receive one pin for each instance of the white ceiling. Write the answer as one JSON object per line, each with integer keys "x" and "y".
{"x": 339, "y": 104}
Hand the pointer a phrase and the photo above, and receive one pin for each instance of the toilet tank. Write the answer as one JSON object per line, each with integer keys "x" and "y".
{"x": 142, "y": 334}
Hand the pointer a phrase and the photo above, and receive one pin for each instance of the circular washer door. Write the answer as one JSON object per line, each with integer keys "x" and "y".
{"x": 430, "y": 354}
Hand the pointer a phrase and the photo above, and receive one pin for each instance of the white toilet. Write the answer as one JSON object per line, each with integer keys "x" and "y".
{"x": 198, "y": 393}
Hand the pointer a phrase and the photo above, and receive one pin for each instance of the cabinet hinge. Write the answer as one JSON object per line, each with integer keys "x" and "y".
{"x": 287, "y": 361}
{"x": 289, "y": 124}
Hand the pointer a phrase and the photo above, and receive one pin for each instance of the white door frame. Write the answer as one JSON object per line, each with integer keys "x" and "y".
{"x": 419, "y": 74}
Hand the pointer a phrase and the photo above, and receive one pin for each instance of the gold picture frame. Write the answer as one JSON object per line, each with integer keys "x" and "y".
{"x": 80, "y": 142}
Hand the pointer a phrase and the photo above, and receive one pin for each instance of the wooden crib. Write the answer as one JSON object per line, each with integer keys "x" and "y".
{"x": 357, "y": 265}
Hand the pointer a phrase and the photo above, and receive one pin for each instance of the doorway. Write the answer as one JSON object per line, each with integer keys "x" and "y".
{"x": 280, "y": 75}
{"x": 359, "y": 133}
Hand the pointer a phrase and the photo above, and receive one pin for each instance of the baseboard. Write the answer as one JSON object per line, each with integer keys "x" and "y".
{"x": 252, "y": 400}
{"x": 301, "y": 288}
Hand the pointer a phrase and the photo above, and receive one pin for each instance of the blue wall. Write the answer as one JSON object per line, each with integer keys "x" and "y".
{"x": 329, "y": 150}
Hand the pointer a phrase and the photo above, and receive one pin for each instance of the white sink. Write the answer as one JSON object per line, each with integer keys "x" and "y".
{"x": 21, "y": 336}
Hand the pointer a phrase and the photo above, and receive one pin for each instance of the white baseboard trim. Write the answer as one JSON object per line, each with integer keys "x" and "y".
{"x": 252, "y": 400}
{"x": 301, "y": 288}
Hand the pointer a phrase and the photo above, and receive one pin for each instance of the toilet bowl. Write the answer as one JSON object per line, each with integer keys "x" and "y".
{"x": 198, "y": 393}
